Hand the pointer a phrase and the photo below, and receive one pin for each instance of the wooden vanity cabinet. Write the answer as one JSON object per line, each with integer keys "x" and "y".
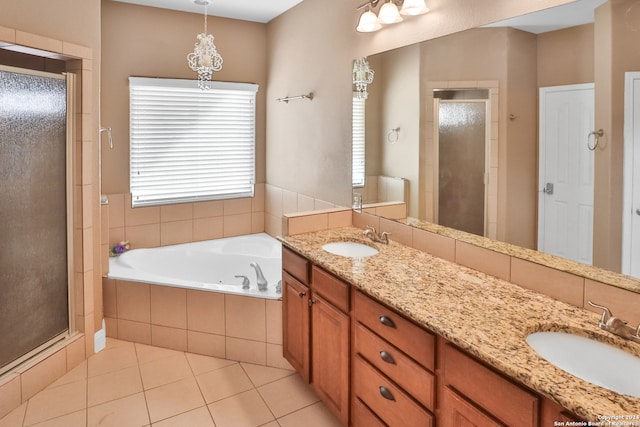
{"x": 316, "y": 330}
{"x": 372, "y": 367}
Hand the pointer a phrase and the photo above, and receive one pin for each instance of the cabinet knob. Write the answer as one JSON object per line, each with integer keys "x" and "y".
{"x": 311, "y": 302}
{"x": 386, "y": 393}
{"x": 301, "y": 294}
{"x": 387, "y": 357}
{"x": 387, "y": 322}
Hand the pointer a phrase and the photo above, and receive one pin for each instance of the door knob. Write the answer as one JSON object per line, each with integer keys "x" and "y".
{"x": 637, "y": 211}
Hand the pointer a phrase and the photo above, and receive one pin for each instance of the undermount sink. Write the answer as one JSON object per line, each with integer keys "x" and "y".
{"x": 350, "y": 249}
{"x": 593, "y": 361}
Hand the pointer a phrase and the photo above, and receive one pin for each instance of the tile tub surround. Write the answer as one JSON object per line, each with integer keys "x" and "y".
{"x": 485, "y": 315}
{"x": 234, "y": 327}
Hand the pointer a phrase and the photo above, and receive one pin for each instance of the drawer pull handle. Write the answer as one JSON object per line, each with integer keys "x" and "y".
{"x": 301, "y": 294}
{"x": 387, "y": 357}
{"x": 387, "y": 322}
{"x": 386, "y": 393}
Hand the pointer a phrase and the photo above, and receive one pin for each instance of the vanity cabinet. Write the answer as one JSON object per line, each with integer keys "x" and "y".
{"x": 373, "y": 367}
{"x": 316, "y": 332}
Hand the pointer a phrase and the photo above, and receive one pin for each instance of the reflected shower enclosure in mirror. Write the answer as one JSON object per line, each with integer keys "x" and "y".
{"x": 511, "y": 65}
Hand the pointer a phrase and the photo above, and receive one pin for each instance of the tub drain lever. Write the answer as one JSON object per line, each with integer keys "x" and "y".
{"x": 245, "y": 281}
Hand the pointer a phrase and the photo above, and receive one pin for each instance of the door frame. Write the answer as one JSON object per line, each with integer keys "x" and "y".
{"x": 630, "y": 78}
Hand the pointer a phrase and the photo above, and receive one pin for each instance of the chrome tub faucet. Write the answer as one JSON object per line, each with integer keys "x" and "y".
{"x": 262, "y": 282}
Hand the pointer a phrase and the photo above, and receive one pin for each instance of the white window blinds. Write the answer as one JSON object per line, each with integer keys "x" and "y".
{"x": 189, "y": 145}
{"x": 358, "y": 151}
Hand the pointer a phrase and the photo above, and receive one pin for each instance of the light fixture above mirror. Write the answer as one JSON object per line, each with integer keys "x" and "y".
{"x": 388, "y": 14}
{"x": 205, "y": 58}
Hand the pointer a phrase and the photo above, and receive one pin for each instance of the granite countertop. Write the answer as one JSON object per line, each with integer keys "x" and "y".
{"x": 487, "y": 317}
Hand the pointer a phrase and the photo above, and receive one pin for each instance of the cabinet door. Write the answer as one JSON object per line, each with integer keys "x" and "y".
{"x": 457, "y": 412}
{"x": 295, "y": 323}
{"x": 330, "y": 357}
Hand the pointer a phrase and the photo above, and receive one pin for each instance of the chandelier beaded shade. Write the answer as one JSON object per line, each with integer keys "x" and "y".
{"x": 205, "y": 59}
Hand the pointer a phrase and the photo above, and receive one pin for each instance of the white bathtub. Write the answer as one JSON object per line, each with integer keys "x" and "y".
{"x": 210, "y": 265}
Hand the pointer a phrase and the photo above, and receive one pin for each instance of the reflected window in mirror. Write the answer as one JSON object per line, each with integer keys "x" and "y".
{"x": 358, "y": 135}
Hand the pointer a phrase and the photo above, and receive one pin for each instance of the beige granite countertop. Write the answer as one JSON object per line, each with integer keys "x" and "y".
{"x": 484, "y": 315}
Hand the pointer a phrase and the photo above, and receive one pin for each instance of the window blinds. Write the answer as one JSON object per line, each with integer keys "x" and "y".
{"x": 189, "y": 145}
{"x": 358, "y": 142}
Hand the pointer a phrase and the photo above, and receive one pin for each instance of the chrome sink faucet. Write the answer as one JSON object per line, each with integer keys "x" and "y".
{"x": 370, "y": 232}
{"x": 262, "y": 282}
{"x": 615, "y": 325}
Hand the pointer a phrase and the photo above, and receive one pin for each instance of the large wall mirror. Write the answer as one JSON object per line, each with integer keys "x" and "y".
{"x": 493, "y": 130}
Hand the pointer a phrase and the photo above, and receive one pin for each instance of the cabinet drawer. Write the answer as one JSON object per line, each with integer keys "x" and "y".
{"x": 407, "y": 336}
{"x": 361, "y": 416}
{"x": 413, "y": 378}
{"x": 391, "y": 404}
{"x": 330, "y": 288}
{"x": 510, "y": 403}
{"x": 296, "y": 265}
{"x": 457, "y": 411}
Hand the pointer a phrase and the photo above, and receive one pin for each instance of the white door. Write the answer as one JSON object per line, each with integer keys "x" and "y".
{"x": 565, "y": 201}
{"x": 631, "y": 194}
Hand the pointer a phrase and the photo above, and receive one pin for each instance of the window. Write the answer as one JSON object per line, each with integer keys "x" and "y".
{"x": 358, "y": 142}
{"x": 188, "y": 144}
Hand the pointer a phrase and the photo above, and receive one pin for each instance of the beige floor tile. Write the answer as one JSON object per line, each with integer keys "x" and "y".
{"x": 14, "y": 418}
{"x": 316, "y": 415}
{"x": 164, "y": 371}
{"x": 261, "y": 375}
{"x": 113, "y": 385}
{"x": 79, "y": 373}
{"x": 271, "y": 424}
{"x": 172, "y": 399}
{"x": 287, "y": 395}
{"x": 130, "y": 411}
{"x": 197, "y": 418}
{"x": 148, "y": 353}
{"x": 242, "y": 410}
{"x": 55, "y": 402}
{"x": 224, "y": 382}
{"x": 112, "y": 359}
{"x": 201, "y": 364}
{"x": 75, "y": 419}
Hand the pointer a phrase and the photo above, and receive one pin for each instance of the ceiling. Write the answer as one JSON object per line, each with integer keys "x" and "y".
{"x": 246, "y": 10}
{"x": 567, "y": 15}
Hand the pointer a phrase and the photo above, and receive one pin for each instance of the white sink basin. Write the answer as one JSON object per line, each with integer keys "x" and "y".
{"x": 598, "y": 363}
{"x": 350, "y": 249}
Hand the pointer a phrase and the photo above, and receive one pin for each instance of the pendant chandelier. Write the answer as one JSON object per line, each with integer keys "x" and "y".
{"x": 362, "y": 77}
{"x": 204, "y": 59}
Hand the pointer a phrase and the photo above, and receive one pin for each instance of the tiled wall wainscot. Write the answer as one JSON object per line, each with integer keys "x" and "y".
{"x": 234, "y": 327}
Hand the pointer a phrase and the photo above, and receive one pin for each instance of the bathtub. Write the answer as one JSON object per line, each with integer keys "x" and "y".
{"x": 209, "y": 265}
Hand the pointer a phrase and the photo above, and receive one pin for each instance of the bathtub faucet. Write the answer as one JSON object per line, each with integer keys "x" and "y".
{"x": 262, "y": 282}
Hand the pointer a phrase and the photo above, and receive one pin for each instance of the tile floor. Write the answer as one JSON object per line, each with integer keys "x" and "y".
{"x": 136, "y": 385}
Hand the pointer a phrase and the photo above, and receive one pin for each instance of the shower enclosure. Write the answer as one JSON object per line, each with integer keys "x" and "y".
{"x": 462, "y": 159}
{"x": 34, "y": 217}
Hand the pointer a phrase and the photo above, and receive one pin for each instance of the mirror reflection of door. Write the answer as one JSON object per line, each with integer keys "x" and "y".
{"x": 566, "y": 169}
{"x": 631, "y": 196}
{"x": 462, "y": 147}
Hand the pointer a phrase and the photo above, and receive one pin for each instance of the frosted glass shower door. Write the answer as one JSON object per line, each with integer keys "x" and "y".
{"x": 462, "y": 165}
{"x": 33, "y": 212}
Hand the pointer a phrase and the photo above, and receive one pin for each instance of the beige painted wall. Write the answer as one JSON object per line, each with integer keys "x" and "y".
{"x": 310, "y": 141}
{"x": 152, "y": 42}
